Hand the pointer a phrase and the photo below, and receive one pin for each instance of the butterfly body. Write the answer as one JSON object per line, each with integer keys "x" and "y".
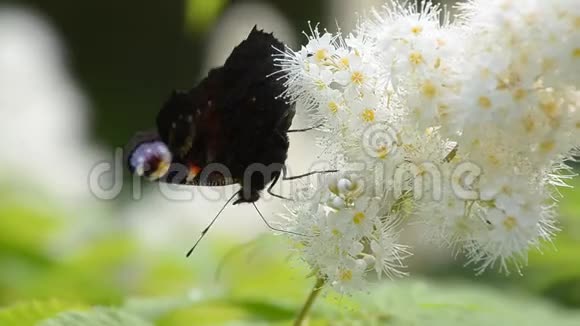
{"x": 230, "y": 129}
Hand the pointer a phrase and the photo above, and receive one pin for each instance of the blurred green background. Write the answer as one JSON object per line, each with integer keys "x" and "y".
{"x": 78, "y": 78}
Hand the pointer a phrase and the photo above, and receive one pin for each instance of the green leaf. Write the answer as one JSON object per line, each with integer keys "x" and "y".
{"x": 211, "y": 313}
{"x": 25, "y": 230}
{"x": 221, "y": 311}
{"x": 155, "y": 308}
{"x": 267, "y": 311}
{"x": 276, "y": 280}
{"x": 416, "y": 302}
{"x": 96, "y": 317}
{"x": 30, "y": 313}
{"x": 99, "y": 269}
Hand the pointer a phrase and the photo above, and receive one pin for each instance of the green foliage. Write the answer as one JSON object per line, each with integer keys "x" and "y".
{"x": 24, "y": 230}
{"x": 555, "y": 272}
{"x": 245, "y": 281}
{"x": 96, "y": 317}
{"x": 219, "y": 312}
{"x": 98, "y": 270}
{"x": 399, "y": 303}
{"x": 202, "y": 13}
{"x": 111, "y": 279}
{"x": 30, "y": 313}
{"x": 24, "y": 238}
{"x": 417, "y": 302}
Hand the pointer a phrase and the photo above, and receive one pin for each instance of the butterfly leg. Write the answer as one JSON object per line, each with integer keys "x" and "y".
{"x": 285, "y": 178}
{"x": 274, "y": 181}
{"x": 306, "y": 129}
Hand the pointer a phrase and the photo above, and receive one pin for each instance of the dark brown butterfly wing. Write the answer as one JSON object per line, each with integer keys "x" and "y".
{"x": 232, "y": 119}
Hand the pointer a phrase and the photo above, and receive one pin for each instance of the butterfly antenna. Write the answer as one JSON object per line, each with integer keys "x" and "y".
{"x": 273, "y": 228}
{"x": 204, "y": 232}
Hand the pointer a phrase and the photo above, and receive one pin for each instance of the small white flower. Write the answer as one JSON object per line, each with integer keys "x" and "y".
{"x": 320, "y": 48}
{"x": 508, "y": 238}
{"x": 387, "y": 254}
{"x": 321, "y": 78}
{"x": 366, "y": 110}
{"x": 357, "y": 77}
{"x": 349, "y": 276}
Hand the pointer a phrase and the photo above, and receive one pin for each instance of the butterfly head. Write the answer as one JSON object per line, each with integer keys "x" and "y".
{"x": 150, "y": 159}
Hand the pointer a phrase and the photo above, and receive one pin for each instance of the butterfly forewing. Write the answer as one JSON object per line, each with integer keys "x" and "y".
{"x": 230, "y": 121}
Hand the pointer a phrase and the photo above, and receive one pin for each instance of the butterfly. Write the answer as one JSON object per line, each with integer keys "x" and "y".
{"x": 232, "y": 128}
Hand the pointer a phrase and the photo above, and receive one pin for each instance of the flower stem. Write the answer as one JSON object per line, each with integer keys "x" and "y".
{"x": 309, "y": 302}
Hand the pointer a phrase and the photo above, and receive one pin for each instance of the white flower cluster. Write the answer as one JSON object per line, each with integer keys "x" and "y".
{"x": 479, "y": 112}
